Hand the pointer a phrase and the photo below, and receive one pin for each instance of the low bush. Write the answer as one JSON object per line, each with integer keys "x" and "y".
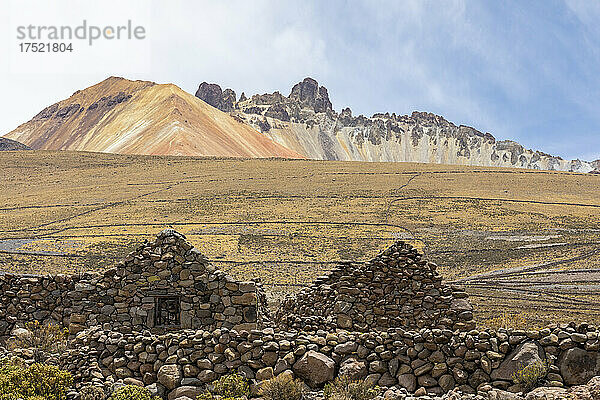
{"x": 282, "y": 387}
{"x": 92, "y": 393}
{"x": 344, "y": 388}
{"x": 44, "y": 338}
{"x": 38, "y": 381}
{"x": 132, "y": 392}
{"x": 232, "y": 386}
{"x": 532, "y": 375}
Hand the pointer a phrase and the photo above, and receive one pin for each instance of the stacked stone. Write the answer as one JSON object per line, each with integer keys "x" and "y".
{"x": 170, "y": 266}
{"x": 28, "y": 298}
{"x": 428, "y": 360}
{"x": 124, "y": 298}
{"x": 398, "y": 288}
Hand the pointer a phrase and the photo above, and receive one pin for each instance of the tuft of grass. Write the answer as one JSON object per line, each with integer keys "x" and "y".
{"x": 43, "y": 339}
{"x": 508, "y": 320}
{"x": 344, "y": 388}
{"x": 90, "y": 392}
{"x": 39, "y": 381}
{"x": 532, "y": 375}
{"x": 132, "y": 392}
{"x": 282, "y": 387}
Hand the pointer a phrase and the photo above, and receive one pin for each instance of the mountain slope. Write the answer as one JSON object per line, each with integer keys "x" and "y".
{"x": 305, "y": 122}
{"x": 138, "y": 117}
{"x": 11, "y": 145}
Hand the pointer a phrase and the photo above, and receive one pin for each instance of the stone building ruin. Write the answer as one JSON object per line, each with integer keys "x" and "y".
{"x": 167, "y": 285}
{"x": 163, "y": 285}
{"x": 397, "y": 288}
{"x": 390, "y": 320}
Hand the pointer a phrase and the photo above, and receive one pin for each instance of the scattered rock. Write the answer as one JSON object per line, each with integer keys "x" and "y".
{"x": 315, "y": 368}
{"x": 525, "y": 354}
{"x": 578, "y": 366}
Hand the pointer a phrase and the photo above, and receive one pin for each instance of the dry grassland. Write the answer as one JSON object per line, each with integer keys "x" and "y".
{"x": 526, "y": 244}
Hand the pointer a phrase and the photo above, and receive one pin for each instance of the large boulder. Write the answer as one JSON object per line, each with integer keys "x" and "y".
{"x": 525, "y": 354}
{"x": 22, "y": 334}
{"x": 408, "y": 382}
{"x": 578, "y": 366}
{"x": 170, "y": 375}
{"x": 315, "y": 368}
{"x": 589, "y": 391}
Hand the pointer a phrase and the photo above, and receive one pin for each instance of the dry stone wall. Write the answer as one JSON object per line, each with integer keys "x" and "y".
{"x": 397, "y": 288}
{"x": 163, "y": 285}
{"x": 437, "y": 360}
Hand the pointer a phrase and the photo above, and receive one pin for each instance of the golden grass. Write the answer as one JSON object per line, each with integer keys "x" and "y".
{"x": 89, "y": 209}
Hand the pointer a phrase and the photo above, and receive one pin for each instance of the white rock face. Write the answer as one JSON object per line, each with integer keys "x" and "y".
{"x": 305, "y": 122}
{"x": 328, "y": 139}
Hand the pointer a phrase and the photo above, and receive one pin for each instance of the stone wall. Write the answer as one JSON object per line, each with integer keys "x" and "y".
{"x": 437, "y": 360}
{"x": 397, "y": 288}
{"x": 168, "y": 274}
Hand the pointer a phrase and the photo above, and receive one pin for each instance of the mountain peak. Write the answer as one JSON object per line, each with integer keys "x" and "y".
{"x": 139, "y": 117}
{"x": 309, "y": 94}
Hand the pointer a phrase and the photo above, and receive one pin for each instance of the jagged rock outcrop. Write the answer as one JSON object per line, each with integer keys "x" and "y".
{"x": 309, "y": 94}
{"x": 212, "y": 94}
{"x": 305, "y": 122}
{"x": 12, "y": 145}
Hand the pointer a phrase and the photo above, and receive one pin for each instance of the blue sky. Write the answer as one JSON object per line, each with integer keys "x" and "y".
{"x": 521, "y": 70}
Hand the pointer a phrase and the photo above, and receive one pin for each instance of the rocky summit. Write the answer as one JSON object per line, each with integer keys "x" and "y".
{"x": 305, "y": 122}
{"x": 140, "y": 117}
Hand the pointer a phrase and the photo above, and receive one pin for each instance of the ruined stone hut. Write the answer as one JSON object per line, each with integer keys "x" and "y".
{"x": 163, "y": 285}
{"x": 397, "y": 288}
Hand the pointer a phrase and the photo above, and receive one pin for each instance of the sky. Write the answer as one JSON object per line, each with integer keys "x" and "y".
{"x": 525, "y": 71}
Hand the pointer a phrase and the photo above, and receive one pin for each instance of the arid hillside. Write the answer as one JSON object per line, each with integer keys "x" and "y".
{"x": 138, "y": 117}
{"x": 525, "y": 244}
{"x": 11, "y": 145}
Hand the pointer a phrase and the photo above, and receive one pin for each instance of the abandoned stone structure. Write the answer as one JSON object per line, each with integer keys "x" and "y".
{"x": 166, "y": 319}
{"x": 164, "y": 285}
{"x": 397, "y": 288}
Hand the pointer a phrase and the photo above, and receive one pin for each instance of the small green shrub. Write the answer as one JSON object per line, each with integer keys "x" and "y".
{"x": 344, "y": 388}
{"x": 282, "y": 387}
{"x": 92, "y": 393}
{"x": 532, "y": 375}
{"x": 227, "y": 387}
{"x": 44, "y": 338}
{"x": 39, "y": 381}
{"x": 132, "y": 392}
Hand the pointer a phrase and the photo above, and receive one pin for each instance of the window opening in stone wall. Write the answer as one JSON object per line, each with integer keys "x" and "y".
{"x": 167, "y": 311}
